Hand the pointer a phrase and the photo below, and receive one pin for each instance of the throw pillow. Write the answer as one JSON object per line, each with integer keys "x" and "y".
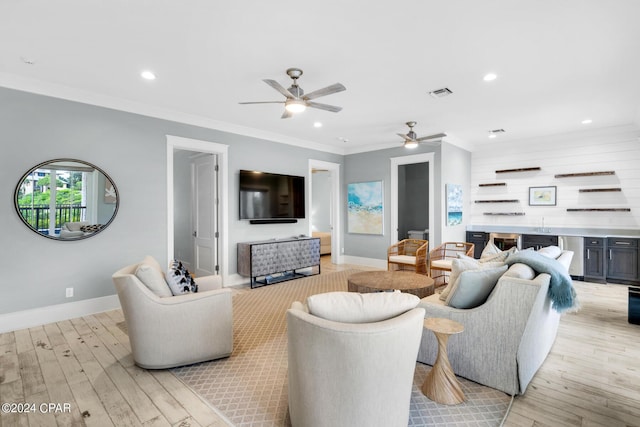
{"x": 500, "y": 256}
{"x": 489, "y": 250}
{"x": 180, "y": 280}
{"x": 91, "y": 228}
{"x": 520, "y": 271}
{"x": 352, "y": 307}
{"x": 474, "y": 286}
{"x": 463, "y": 263}
{"x": 153, "y": 279}
{"x": 550, "y": 251}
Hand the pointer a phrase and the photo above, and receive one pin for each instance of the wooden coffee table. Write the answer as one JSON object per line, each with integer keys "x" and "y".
{"x": 441, "y": 384}
{"x": 404, "y": 281}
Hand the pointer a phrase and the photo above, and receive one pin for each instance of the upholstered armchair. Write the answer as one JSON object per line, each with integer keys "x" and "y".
{"x": 168, "y": 331}
{"x": 440, "y": 259}
{"x": 351, "y": 374}
{"x": 408, "y": 254}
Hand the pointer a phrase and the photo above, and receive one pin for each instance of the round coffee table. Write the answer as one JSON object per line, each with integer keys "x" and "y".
{"x": 404, "y": 281}
{"x": 441, "y": 384}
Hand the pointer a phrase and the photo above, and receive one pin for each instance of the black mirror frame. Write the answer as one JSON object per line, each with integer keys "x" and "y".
{"x": 65, "y": 159}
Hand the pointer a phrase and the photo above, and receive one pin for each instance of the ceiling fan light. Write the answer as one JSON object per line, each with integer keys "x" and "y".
{"x": 410, "y": 144}
{"x": 295, "y": 106}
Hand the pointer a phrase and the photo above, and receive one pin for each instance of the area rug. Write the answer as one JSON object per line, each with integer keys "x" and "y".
{"x": 250, "y": 386}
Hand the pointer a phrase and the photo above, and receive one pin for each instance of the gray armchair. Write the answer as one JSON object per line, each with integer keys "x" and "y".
{"x": 175, "y": 330}
{"x": 351, "y": 374}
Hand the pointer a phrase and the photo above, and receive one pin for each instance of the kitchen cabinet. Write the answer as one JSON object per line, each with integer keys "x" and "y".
{"x": 479, "y": 239}
{"x": 537, "y": 241}
{"x": 622, "y": 260}
{"x": 594, "y": 259}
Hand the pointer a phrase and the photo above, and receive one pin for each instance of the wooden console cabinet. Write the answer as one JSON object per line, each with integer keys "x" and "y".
{"x": 272, "y": 261}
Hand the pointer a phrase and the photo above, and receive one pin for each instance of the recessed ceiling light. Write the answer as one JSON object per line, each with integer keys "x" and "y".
{"x": 28, "y": 61}
{"x": 490, "y": 77}
{"x": 495, "y": 132}
{"x": 148, "y": 75}
{"x": 492, "y": 135}
{"x": 586, "y": 121}
{"x": 342, "y": 138}
{"x": 317, "y": 125}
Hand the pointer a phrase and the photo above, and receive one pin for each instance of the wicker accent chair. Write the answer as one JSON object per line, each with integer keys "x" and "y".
{"x": 408, "y": 255}
{"x": 440, "y": 259}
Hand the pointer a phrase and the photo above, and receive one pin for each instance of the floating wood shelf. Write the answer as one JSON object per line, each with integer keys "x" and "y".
{"x": 504, "y": 213}
{"x": 599, "y": 210}
{"x": 498, "y": 201}
{"x": 495, "y": 184}
{"x": 598, "y": 190}
{"x": 518, "y": 170}
{"x": 571, "y": 175}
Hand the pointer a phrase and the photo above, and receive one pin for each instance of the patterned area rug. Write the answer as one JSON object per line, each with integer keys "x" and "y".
{"x": 250, "y": 387}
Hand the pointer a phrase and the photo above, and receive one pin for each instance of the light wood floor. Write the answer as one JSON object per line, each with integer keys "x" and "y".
{"x": 591, "y": 377}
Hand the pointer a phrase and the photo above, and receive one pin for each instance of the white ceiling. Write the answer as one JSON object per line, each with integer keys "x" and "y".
{"x": 558, "y": 62}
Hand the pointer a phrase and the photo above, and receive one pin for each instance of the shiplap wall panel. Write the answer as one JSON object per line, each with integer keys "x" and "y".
{"x": 614, "y": 149}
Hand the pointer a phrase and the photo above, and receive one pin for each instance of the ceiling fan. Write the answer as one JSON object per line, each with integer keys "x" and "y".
{"x": 296, "y": 101}
{"x": 411, "y": 140}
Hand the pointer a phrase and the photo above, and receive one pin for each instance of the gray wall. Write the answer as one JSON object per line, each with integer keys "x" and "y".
{"x": 375, "y": 166}
{"x": 456, "y": 169}
{"x": 132, "y": 150}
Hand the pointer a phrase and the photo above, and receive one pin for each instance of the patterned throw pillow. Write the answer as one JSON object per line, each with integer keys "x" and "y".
{"x": 90, "y": 228}
{"x": 180, "y": 280}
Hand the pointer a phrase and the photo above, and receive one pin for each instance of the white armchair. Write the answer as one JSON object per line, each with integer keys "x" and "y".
{"x": 175, "y": 330}
{"x": 350, "y": 374}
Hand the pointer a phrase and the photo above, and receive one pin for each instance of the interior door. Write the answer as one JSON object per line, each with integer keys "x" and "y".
{"x": 205, "y": 221}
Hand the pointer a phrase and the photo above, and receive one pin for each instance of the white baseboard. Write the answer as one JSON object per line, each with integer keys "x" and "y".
{"x": 369, "y": 262}
{"x": 55, "y": 313}
{"x": 235, "y": 280}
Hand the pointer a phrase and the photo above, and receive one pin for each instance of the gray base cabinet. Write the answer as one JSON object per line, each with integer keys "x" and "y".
{"x": 622, "y": 260}
{"x": 537, "y": 241}
{"x": 479, "y": 239}
{"x": 273, "y": 261}
{"x": 594, "y": 260}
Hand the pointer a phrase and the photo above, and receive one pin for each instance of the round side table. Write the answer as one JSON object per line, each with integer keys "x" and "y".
{"x": 441, "y": 384}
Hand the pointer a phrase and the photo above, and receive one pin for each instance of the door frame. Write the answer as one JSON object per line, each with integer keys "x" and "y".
{"x": 334, "y": 170}
{"x": 221, "y": 150}
{"x": 396, "y": 162}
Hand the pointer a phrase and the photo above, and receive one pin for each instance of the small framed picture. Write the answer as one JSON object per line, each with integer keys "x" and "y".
{"x": 542, "y": 196}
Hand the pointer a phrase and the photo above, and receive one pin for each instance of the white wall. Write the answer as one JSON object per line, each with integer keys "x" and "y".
{"x": 616, "y": 149}
{"x": 456, "y": 169}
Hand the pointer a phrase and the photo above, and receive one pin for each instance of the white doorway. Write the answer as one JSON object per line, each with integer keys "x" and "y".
{"x": 334, "y": 204}
{"x": 208, "y": 219}
{"x": 396, "y": 162}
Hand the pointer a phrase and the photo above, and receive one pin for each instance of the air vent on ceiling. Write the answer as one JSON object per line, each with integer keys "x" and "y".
{"x": 441, "y": 93}
{"x": 497, "y": 131}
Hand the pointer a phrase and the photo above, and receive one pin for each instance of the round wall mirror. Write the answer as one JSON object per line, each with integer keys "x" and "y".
{"x": 66, "y": 199}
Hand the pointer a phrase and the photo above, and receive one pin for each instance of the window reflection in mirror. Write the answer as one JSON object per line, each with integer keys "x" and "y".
{"x": 66, "y": 199}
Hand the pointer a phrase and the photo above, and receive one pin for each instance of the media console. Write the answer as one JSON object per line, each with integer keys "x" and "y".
{"x": 277, "y": 260}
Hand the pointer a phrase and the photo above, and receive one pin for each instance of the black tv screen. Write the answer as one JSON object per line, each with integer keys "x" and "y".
{"x": 270, "y": 196}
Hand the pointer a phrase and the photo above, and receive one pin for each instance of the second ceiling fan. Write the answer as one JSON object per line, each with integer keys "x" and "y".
{"x": 296, "y": 100}
{"x": 411, "y": 139}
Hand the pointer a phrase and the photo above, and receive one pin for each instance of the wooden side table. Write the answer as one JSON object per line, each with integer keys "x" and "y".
{"x": 441, "y": 384}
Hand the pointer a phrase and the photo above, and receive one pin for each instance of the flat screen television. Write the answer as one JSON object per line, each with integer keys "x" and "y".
{"x": 265, "y": 196}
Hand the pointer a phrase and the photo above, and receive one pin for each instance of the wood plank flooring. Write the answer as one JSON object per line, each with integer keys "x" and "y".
{"x": 591, "y": 377}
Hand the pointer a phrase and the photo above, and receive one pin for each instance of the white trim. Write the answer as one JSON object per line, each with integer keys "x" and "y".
{"x": 39, "y": 87}
{"x": 369, "y": 262}
{"x": 406, "y": 160}
{"x": 56, "y": 313}
{"x": 221, "y": 150}
{"x": 336, "y": 229}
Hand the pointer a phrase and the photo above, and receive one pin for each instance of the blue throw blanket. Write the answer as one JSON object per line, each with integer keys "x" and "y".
{"x": 561, "y": 290}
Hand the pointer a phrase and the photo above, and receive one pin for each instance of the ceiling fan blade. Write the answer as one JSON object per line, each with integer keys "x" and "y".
{"x": 286, "y": 114}
{"x": 337, "y": 87}
{"x": 405, "y": 137}
{"x": 435, "y": 136}
{"x": 277, "y": 86}
{"x": 263, "y": 102}
{"x": 326, "y": 107}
